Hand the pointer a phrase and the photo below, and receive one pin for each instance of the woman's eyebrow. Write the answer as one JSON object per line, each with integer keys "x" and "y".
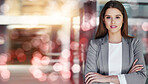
{"x": 107, "y": 15}
{"x": 116, "y": 15}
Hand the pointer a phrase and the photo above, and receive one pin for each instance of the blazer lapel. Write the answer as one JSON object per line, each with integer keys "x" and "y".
{"x": 125, "y": 55}
{"x": 104, "y": 56}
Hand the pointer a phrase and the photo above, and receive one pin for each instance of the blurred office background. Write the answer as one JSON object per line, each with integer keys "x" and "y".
{"x": 45, "y": 41}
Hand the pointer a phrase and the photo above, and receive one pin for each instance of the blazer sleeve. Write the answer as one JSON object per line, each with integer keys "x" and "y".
{"x": 91, "y": 64}
{"x": 140, "y": 76}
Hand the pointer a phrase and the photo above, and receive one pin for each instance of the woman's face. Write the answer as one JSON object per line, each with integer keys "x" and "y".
{"x": 113, "y": 20}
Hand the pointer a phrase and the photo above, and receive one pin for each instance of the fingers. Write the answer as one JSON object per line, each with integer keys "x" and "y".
{"x": 134, "y": 62}
{"x": 136, "y": 68}
{"x": 92, "y": 81}
{"x": 89, "y": 77}
{"x": 89, "y": 73}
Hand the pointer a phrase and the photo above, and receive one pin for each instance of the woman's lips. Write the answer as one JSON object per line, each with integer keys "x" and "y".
{"x": 113, "y": 26}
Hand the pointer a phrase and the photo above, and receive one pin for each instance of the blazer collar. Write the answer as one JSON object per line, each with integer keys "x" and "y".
{"x": 105, "y": 39}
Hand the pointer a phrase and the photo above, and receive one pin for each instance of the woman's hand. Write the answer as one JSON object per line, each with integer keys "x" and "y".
{"x": 93, "y": 77}
{"x": 136, "y": 68}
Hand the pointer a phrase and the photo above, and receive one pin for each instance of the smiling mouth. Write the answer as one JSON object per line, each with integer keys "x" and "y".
{"x": 113, "y": 26}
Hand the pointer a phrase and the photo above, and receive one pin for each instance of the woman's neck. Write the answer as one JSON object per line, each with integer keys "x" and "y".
{"x": 115, "y": 37}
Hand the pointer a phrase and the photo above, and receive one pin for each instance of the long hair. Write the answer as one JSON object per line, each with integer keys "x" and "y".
{"x": 102, "y": 30}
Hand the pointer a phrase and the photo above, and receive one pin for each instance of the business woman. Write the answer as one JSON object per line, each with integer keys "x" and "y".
{"x": 113, "y": 57}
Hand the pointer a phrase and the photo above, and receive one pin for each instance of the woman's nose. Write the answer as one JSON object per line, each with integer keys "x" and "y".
{"x": 113, "y": 21}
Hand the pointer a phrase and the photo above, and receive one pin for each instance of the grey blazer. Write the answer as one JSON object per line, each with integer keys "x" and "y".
{"x": 97, "y": 59}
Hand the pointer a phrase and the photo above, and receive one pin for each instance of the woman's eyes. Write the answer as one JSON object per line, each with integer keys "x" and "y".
{"x": 110, "y": 17}
{"x": 117, "y": 17}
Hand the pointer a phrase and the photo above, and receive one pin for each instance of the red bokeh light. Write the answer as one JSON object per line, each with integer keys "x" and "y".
{"x": 53, "y": 76}
{"x": 44, "y": 47}
{"x": 45, "y": 60}
{"x": 45, "y": 38}
{"x": 35, "y": 42}
{"x": 14, "y": 34}
{"x": 36, "y": 61}
{"x": 21, "y": 57}
{"x": 74, "y": 45}
{"x": 52, "y": 45}
{"x": 27, "y": 46}
{"x": 76, "y": 68}
{"x": 66, "y": 74}
{"x": 37, "y": 73}
{"x": 18, "y": 51}
{"x": 3, "y": 59}
{"x": 65, "y": 53}
{"x": 5, "y": 74}
{"x": 145, "y": 26}
{"x": 57, "y": 67}
{"x": 86, "y": 26}
{"x": 83, "y": 40}
{"x": 37, "y": 54}
{"x": 43, "y": 78}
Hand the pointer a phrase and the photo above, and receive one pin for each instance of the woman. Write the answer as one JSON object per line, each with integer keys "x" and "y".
{"x": 114, "y": 57}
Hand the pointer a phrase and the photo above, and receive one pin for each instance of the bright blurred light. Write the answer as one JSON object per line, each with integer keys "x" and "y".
{"x": 66, "y": 74}
{"x": 52, "y": 45}
{"x": 65, "y": 53}
{"x": 36, "y": 61}
{"x": 65, "y": 63}
{"x": 35, "y": 42}
{"x": 45, "y": 38}
{"x": 45, "y": 60}
{"x": 83, "y": 40}
{"x": 37, "y": 73}
{"x": 21, "y": 57}
{"x": 44, "y": 47}
{"x": 69, "y": 7}
{"x": 89, "y": 22}
{"x": 14, "y": 34}
{"x": 2, "y": 40}
{"x": 27, "y": 46}
{"x": 5, "y": 74}
{"x": 3, "y": 58}
{"x": 76, "y": 20}
{"x": 37, "y": 54}
{"x": 18, "y": 51}
{"x": 93, "y": 20}
{"x": 145, "y": 26}
{"x": 56, "y": 16}
{"x": 76, "y": 68}
{"x": 43, "y": 78}
{"x": 53, "y": 76}
{"x": 86, "y": 26}
{"x": 57, "y": 67}
{"x": 74, "y": 45}
{"x": 4, "y": 8}
{"x": 76, "y": 26}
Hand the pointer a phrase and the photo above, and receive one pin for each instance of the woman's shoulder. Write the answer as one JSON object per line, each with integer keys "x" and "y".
{"x": 135, "y": 41}
{"x": 96, "y": 41}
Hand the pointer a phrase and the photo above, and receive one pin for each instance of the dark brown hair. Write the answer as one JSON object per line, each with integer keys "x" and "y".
{"x": 102, "y": 30}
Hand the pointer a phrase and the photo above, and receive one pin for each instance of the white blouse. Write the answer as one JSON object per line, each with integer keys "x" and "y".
{"x": 115, "y": 61}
